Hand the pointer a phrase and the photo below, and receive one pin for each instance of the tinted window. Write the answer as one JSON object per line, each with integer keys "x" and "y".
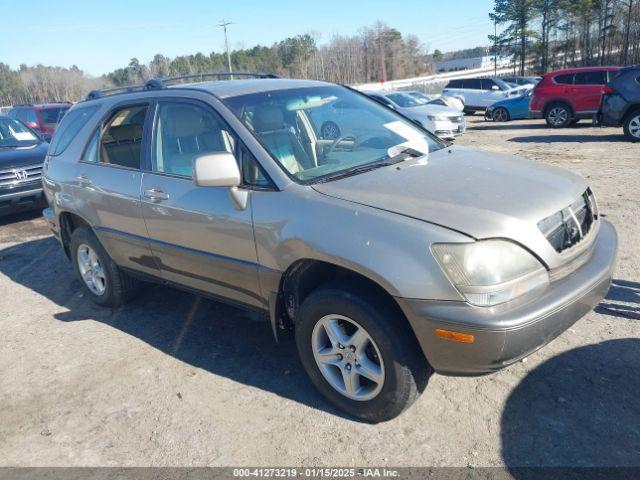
{"x": 590, "y": 78}
{"x": 472, "y": 84}
{"x": 121, "y": 142}
{"x": 51, "y": 116}
{"x": 184, "y": 132}
{"x": 487, "y": 83}
{"x": 15, "y": 134}
{"x": 404, "y": 100}
{"x": 566, "y": 79}
{"x": 454, "y": 84}
{"x": 69, "y": 128}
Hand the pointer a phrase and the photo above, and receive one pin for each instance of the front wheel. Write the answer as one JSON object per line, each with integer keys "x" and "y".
{"x": 359, "y": 352}
{"x": 632, "y": 126}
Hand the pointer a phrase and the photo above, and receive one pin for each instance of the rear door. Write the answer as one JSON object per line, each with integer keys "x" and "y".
{"x": 472, "y": 88}
{"x": 587, "y": 90}
{"x": 107, "y": 186}
{"x": 199, "y": 237}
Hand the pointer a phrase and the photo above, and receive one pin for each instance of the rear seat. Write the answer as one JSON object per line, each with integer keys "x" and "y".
{"x": 122, "y": 145}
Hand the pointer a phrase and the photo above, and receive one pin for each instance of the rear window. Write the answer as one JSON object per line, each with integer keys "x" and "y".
{"x": 69, "y": 128}
{"x": 590, "y": 78}
{"x": 566, "y": 79}
{"x": 52, "y": 116}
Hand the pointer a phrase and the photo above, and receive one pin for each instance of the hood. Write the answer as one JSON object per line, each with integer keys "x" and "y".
{"x": 480, "y": 194}
{"x": 430, "y": 109}
{"x": 14, "y": 157}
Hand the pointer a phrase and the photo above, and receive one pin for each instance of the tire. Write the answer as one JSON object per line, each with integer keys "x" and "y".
{"x": 117, "y": 286}
{"x": 402, "y": 366}
{"x": 631, "y": 126}
{"x": 330, "y": 131}
{"x": 558, "y": 115}
{"x": 501, "y": 114}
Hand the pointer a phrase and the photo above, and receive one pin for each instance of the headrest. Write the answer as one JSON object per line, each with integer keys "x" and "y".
{"x": 268, "y": 118}
{"x": 187, "y": 122}
{"x": 126, "y": 132}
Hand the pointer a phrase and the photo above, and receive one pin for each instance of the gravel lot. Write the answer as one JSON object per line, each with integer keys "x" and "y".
{"x": 176, "y": 380}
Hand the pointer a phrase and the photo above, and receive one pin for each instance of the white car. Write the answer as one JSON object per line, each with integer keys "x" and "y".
{"x": 479, "y": 93}
{"x": 444, "y": 122}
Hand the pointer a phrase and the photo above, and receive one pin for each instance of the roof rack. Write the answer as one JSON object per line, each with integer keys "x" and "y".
{"x": 162, "y": 83}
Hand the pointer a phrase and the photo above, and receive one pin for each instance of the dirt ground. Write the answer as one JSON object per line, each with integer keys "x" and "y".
{"x": 175, "y": 380}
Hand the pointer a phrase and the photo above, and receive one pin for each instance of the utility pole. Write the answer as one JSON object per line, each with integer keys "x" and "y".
{"x": 224, "y": 24}
{"x": 495, "y": 46}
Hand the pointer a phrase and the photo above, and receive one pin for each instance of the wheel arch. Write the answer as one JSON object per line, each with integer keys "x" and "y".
{"x": 69, "y": 222}
{"x": 305, "y": 275}
{"x": 555, "y": 101}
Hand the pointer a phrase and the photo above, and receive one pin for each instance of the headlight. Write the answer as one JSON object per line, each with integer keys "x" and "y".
{"x": 489, "y": 272}
{"x": 437, "y": 118}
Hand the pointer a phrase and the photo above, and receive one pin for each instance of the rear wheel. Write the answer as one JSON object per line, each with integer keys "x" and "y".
{"x": 501, "y": 114}
{"x": 101, "y": 278}
{"x": 359, "y": 352}
{"x": 631, "y": 126}
{"x": 558, "y": 115}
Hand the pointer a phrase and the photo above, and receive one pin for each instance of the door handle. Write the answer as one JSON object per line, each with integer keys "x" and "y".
{"x": 83, "y": 180}
{"x": 156, "y": 195}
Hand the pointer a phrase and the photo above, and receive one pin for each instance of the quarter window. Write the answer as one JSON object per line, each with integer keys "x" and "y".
{"x": 121, "y": 142}
{"x": 566, "y": 79}
{"x": 69, "y": 128}
{"x": 183, "y": 132}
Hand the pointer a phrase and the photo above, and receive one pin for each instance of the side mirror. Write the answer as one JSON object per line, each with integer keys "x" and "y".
{"x": 216, "y": 170}
{"x": 495, "y": 87}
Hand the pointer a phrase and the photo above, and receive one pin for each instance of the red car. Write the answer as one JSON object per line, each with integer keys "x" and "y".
{"x": 565, "y": 96}
{"x": 42, "y": 118}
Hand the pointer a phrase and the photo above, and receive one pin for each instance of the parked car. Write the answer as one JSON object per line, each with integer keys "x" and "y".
{"x": 620, "y": 104}
{"x": 388, "y": 255}
{"x": 22, "y": 153}
{"x": 527, "y": 82}
{"x": 516, "y": 108}
{"x": 452, "y": 102}
{"x": 444, "y": 122}
{"x": 43, "y": 118}
{"x": 419, "y": 96}
{"x": 479, "y": 93}
{"x": 564, "y": 97}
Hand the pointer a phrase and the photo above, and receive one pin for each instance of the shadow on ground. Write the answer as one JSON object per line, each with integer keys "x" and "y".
{"x": 212, "y": 336}
{"x": 623, "y": 300}
{"x": 580, "y": 408}
{"x": 569, "y": 138}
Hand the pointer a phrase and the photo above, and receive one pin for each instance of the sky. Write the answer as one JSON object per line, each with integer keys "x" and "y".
{"x": 99, "y": 37}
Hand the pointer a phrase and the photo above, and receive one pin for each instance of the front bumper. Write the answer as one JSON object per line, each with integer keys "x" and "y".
{"x": 21, "y": 200}
{"x": 506, "y": 333}
{"x": 449, "y": 129}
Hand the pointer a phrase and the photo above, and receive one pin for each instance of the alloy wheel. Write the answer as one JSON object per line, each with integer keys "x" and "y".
{"x": 558, "y": 116}
{"x": 634, "y": 126}
{"x": 500, "y": 115}
{"x": 347, "y": 357}
{"x": 91, "y": 269}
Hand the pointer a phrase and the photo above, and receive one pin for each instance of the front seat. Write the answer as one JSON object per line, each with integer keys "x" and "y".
{"x": 268, "y": 123}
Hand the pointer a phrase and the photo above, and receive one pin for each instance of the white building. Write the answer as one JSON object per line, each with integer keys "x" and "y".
{"x": 471, "y": 63}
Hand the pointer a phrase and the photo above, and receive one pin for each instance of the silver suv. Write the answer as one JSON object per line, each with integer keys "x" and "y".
{"x": 389, "y": 253}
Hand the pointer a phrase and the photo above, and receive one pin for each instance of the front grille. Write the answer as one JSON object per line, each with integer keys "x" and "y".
{"x": 569, "y": 226}
{"x": 13, "y": 177}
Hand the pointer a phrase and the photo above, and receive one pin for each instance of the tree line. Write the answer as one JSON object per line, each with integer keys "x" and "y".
{"x": 545, "y": 35}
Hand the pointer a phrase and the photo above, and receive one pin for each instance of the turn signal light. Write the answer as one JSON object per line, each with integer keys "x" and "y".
{"x": 455, "y": 336}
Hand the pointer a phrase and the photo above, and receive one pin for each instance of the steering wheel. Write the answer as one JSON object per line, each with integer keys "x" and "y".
{"x": 335, "y": 143}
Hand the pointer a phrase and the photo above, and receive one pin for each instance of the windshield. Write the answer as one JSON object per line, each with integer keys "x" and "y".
{"x": 52, "y": 116}
{"x": 15, "y": 134}
{"x": 502, "y": 84}
{"x": 319, "y": 133}
{"x": 420, "y": 97}
{"x": 403, "y": 99}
